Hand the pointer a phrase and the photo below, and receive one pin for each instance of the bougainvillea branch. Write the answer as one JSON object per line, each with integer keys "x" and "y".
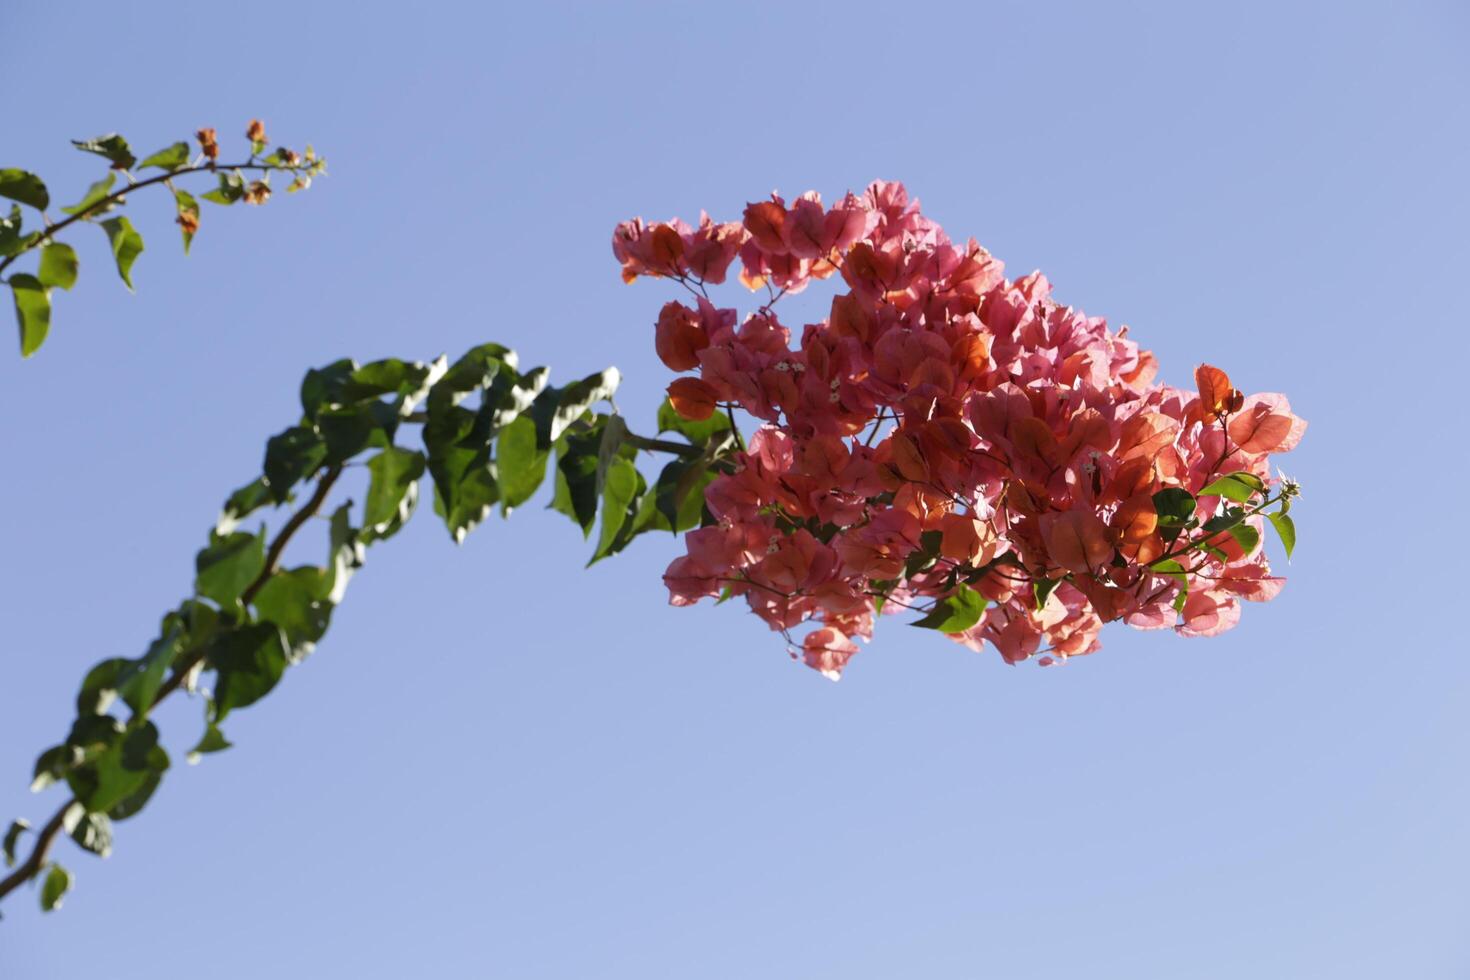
{"x": 945, "y": 442}
{"x": 58, "y": 265}
{"x": 489, "y": 432}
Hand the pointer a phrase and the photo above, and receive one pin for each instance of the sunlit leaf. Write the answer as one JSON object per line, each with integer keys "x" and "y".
{"x": 169, "y": 158}
{"x": 12, "y": 838}
{"x": 58, "y": 266}
{"x": 1285, "y": 530}
{"x": 557, "y": 408}
{"x": 126, "y": 244}
{"x": 55, "y": 886}
{"x": 1235, "y": 486}
{"x": 94, "y": 195}
{"x": 112, "y": 146}
{"x": 249, "y": 662}
{"x": 956, "y": 612}
{"x": 92, "y": 831}
{"x": 392, "y": 491}
{"x": 521, "y": 463}
{"x": 32, "y": 311}
{"x": 228, "y": 566}
{"x": 620, "y": 487}
{"x": 213, "y": 740}
{"x": 25, "y": 187}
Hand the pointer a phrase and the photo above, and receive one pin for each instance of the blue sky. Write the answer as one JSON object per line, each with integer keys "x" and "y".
{"x": 501, "y": 765}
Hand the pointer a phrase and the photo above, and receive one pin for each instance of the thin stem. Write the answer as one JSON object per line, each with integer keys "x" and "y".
{"x": 734, "y": 429}
{"x": 662, "y": 445}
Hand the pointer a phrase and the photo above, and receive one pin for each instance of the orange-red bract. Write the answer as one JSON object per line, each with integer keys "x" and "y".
{"x": 692, "y": 398}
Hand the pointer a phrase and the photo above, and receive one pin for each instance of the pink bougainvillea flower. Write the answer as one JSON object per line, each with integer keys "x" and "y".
{"x": 950, "y": 440}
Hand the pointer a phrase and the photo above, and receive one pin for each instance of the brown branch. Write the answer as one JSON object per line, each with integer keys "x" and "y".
{"x": 272, "y": 560}
{"x": 33, "y": 864}
{"x": 662, "y": 445}
{"x": 92, "y": 209}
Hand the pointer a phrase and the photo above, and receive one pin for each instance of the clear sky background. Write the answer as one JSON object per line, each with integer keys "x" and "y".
{"x": 501, "y": 765}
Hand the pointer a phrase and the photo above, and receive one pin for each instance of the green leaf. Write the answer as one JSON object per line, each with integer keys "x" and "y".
{"x": 296, "y": 601}
{"x": 139, "y": 681}
{"x": 1175, "y": 506}
{"x": 289, "y": 457}
{"x": 12, "y": 242}
{"x": 127, "y": 245}
{"x": 679, "y": 493}
{"x": 614, "y": 434}
{"x": 55, "y": 887}
{"x": 557, "y": 408}
{"x": 392, "y": 492}
{"x": 510, "y": 394}
{"x": 458, "y": 441}
{"x": 520, "y": 463}
{"x": 474, "y": 495}
{"x": 169, "y": 158}
{"x": 244, "y": 501}
{"x": 99, "y": 687}
{"x": 95, "y": 193}
{"x": 349, "y": 430}
{"x": 1171, "y": 568}
{"x": 1235, "y": 486}
{"x": 51, "y": 766}
{"x": 389, "y": 376}
{"x": 1246, "y": 536}
{"x": 138, "y": 798}
{"x": 956, "y": 612}
{"x": 213, "y": 740}
{"x": 27, "y": 188}
{"x": 32, "y": 311}
{"x": 93, "y": 831}
{"x": 249, "y": 662}
{"x": 322, "y": 387}
{"x": 119, "y": 770}
{"x": 231, "y": 188}
{"x": 112, "y": 146}
{"x": 94, "y": 733}
{"x": 1285, "y": 530}
{"x": 344, "y": 553}
{"x": 618, "y": 493}
{"x": 228, "y": 566}
{"x": 698, "y": 433}
{"x": 475, "y": 370}
{"x": 58, "y": 266}
{"x": 186, "y": 205}
{"x": 1042, "y": 588}
{"x": 884, "y": 588}
{"x": 926, "y": 555}
{"x": 12, "y": 838}
{"x": 577, "y": 484}
{"x": 1226, "y": 519}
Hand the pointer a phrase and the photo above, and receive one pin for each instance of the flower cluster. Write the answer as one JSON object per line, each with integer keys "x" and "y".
{"x": 951, "y": 441}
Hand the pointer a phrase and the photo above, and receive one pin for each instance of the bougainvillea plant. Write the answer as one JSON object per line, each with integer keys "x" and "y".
{"x": 946, "y": 443}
